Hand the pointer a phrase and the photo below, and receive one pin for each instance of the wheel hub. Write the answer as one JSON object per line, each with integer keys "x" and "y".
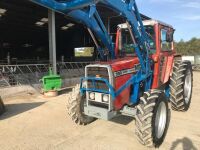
{"x": 188, "y": 87}
{"x": 161, "y": 120}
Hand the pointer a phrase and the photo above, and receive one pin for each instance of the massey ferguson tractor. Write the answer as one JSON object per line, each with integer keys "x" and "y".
{"x": 138, "y": 76}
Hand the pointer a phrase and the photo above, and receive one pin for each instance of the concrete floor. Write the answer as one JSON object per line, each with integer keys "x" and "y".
{"x": 33, "y": 122}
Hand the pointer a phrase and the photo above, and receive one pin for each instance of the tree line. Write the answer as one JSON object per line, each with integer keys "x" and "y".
{"x": 191, "y": 47}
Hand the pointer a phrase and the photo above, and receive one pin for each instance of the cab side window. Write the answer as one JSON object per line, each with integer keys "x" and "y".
{"x": 165, "y": 45}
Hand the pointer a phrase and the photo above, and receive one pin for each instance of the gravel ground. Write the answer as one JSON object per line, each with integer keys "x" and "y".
{"x": 33, "y": 122}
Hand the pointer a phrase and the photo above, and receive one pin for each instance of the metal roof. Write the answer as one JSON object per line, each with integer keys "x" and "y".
{"x": 18, "y": 24}
{"x": 22, "y": 15}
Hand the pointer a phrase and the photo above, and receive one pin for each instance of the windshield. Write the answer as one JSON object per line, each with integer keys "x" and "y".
{"x": 151, "y": 34}
{"x": 126, "y": 46}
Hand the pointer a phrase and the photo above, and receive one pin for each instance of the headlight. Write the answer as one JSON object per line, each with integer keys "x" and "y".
{"x": 84, "y": 84}
{"x": 92, "y": 96}
{"x": 105, "y": 98}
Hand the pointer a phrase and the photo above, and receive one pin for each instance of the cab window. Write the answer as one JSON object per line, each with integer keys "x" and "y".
{"x": 166, "y": 45}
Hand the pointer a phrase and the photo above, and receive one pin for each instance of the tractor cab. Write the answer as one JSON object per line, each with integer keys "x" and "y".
{"x": 160, "y": 36}
{"x": 161, "y": 48}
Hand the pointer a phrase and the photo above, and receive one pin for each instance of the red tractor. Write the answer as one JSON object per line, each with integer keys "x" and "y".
{"x": 171, "y": 82}
{"x": 143, "y": 72}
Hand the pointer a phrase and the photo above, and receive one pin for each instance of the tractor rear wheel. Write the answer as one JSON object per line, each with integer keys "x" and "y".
{"x": 75, "y": 107}
{"x": 2, "y": 107}
{"x": 181, "y": 84}
{"x": 152, "y": 118}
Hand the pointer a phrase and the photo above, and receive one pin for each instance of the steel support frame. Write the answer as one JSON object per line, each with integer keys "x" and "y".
{"x": 52, "y": 40}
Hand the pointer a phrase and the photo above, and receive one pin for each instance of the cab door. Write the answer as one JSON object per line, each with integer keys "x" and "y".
{"x": 163, "y": 59}
{"x": 166, "y": 53}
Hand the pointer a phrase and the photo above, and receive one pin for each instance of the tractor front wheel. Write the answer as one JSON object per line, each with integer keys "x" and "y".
{"x": 75, "y": 107}
{"x": 152, "y": 118}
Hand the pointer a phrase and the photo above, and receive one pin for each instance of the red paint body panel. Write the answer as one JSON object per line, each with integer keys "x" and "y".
{"x": 123, "y": 98}
{"x": 117, "y": 65}
{"x": 117, "y": 44}
{"x": 122, "y": 63}
{"x": 156, "y": 55}
{"x": 126, "y": 63}
{"x": 168, "y": 70}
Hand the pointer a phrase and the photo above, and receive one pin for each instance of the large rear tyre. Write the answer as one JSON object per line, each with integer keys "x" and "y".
{"x": 75, "y": 107}
{"x": 181, "y": 83}
{"x": 2, "y": 107}
{"x": 152, "y": 118}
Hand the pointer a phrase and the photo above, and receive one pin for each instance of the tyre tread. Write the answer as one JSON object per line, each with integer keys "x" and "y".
{"x": 177, "y": 86}
{"x": 73, "y": 108}
{"x": 144, "y": 118}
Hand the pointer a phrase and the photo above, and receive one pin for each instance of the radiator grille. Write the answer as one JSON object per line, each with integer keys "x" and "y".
{"x": 100, "y": 72}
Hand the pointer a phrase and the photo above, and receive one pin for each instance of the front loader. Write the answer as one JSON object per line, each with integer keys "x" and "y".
{"x": 143, "y": 75}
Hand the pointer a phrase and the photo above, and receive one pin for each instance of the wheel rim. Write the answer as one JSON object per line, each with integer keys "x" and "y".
{"x": 161, "y": 119}
{"x": 188, "y": 87}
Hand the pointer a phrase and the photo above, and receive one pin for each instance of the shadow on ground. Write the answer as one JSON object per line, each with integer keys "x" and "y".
{"x": 186, "y": 143}
{"x": 64, "y": 91}
{"x": 16, "y": 109}
{"x": 124, "y": 120}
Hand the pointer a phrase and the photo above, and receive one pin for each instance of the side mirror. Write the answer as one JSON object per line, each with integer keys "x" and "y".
{"x": 170, "y": 37}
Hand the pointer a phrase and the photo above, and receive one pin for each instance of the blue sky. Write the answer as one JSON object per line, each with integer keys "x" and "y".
{"x": 184, "y": 15}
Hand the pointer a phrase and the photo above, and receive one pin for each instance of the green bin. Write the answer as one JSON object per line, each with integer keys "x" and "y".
{"x": 51, "y": 82}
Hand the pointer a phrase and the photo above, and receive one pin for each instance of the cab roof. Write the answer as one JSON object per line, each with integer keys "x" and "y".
{"x": 150, "y": 22}
{"x": 154, "y": 22}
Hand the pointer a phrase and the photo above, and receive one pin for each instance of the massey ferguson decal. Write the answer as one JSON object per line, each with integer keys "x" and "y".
{"x": 127, "y": 71}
